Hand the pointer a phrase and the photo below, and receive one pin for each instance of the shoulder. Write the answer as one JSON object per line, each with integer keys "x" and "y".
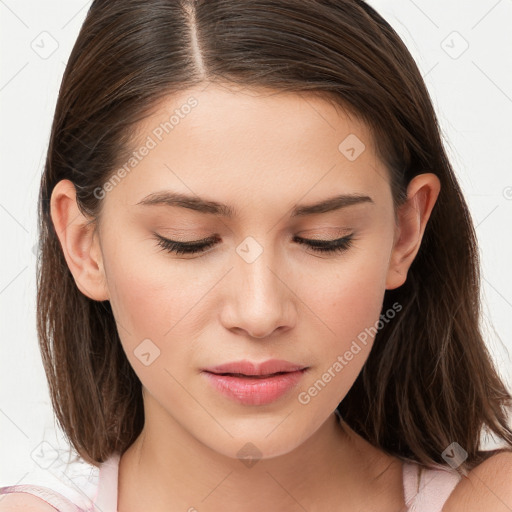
{"x": 23, "y": 502}
{"x": 488, "y": 486}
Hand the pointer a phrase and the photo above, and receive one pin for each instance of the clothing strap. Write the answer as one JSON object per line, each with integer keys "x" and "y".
{"x": 425, "y": 489}
{"x": 106, "y": 495}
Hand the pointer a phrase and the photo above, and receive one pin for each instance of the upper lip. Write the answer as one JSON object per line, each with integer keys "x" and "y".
{"x": 246, "y": 367}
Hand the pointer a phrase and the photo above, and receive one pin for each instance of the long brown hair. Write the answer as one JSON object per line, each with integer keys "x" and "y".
{"x": 429, "y": 379}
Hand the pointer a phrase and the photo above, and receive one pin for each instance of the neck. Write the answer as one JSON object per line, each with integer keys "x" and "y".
{"x": 172, "y": 470}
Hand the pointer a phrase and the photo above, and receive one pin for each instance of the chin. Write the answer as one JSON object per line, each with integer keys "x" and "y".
{"x": 257, "y": 442}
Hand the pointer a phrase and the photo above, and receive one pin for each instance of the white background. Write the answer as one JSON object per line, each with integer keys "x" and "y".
{"x": 472, "y": 95}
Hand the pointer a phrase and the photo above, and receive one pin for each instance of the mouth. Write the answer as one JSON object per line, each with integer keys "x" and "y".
{"x": 255, "y": 390}
{"x": 245, "y": 368}
{"x": 248, "y": 376}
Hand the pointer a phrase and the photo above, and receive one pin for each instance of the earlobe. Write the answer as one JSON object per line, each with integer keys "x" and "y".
{"x": 79, "y": 241}
{"x": 413, "y": 215}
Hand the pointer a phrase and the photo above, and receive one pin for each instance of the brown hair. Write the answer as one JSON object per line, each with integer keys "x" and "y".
{"x": 429, "y": 379}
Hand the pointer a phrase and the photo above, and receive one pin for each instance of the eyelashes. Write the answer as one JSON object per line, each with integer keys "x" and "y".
{"x": 327, "y": 246}
{"x": 199, "y": 246}
{"x": 186, "y": 248}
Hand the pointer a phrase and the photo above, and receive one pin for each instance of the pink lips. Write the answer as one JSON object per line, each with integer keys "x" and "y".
{"x": 252, "y": 383}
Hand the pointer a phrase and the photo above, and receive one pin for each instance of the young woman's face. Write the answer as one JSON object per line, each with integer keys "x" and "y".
{"x": 256, "y": 293}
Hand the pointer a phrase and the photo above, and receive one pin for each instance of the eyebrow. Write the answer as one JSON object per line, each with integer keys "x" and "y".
{"x": 166, "y": 198}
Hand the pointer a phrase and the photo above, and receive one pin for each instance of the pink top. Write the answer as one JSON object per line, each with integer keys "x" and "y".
{"x": 425, "y": 490}
{"x": 104, "y": 500}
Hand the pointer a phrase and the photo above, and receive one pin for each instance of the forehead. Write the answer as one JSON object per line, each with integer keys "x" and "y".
{"x": 218, "y": 140}
{"x": 238, "y": 113}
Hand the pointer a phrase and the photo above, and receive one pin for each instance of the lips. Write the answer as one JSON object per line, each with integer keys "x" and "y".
{"x": 252, "y": 383}
{"x": 245, "y": 368}
{"x": 251, "y": 390}
{"x": 243, "y": 375}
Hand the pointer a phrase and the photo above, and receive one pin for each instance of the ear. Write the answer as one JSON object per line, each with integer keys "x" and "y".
{"x": 413, "y": 215}
{"x": 79, "y": 241}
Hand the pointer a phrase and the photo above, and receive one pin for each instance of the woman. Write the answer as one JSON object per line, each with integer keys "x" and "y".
{"x": 259, "y": 280}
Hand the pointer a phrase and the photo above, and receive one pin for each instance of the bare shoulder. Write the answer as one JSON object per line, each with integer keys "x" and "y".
{"x": 23, "y": 502}
{"x": 488, "y": 486}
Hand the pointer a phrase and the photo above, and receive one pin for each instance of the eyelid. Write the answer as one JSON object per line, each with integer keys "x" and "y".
{"x": 326, "y": 247}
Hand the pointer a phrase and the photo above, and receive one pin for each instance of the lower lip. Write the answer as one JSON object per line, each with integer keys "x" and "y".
{"x": 255, "y": 391}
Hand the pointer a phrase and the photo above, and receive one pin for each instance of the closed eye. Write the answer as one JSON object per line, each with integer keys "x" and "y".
{"x": 198, "y": 246}
{"x": 327, "y": 246}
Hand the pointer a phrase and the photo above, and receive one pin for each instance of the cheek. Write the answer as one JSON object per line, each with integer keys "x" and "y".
{"x": 347, "y": 300}
{"x": 347, "y": 305}
{"x": 153, "y": 314}
{"x": 147, "y": 302}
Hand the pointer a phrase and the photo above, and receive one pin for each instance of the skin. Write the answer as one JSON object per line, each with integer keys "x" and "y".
{"x": 262, "y": 153}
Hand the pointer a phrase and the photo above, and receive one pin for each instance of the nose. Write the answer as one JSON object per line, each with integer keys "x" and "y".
{"x": 259, "y": 298}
